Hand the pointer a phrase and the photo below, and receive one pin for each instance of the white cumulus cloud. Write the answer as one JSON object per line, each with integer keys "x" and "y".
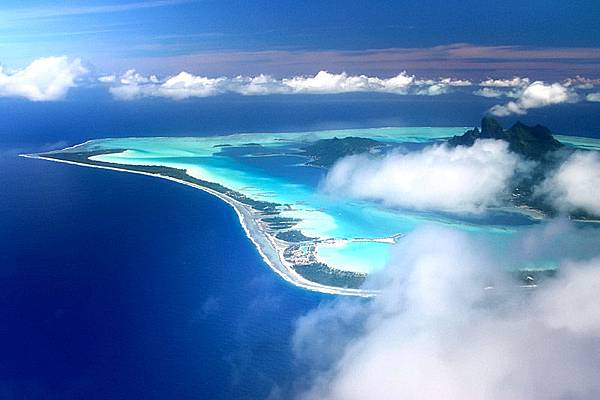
{"x": 257, "y": 85}
{"x": 45, "y": 79}
{"x": 489, "y": 92}
{"x": 326, "y": 82}
{"x": 184, "y": 85}
{"x": 436, "y": 87}
{"x": 580, "y": 82}
{"x": 460, "y": 179}
{"x": 492, "y": 92}
{"x": 575, "y": 185}
{"x": 537, "y": 94}
{"x": 505, "y": 83}
{"x": 595, "y": 97}
{"x": 436, "y": 333}
{"x": 107, "y": 78}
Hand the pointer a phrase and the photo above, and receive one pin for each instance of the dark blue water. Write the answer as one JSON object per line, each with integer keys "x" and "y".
{"x": 120, "y": 286}
{"x": 87, "y": 115}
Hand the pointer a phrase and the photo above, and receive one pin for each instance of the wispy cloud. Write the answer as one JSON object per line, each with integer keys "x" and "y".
{"x": 53, "y": 12}
{"x": 37, "y": 35}
{"x": 458, "y": 60}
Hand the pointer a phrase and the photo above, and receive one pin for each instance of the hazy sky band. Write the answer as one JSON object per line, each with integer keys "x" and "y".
{"x": 460, "y": 60}
{"x": 297, "y": 37}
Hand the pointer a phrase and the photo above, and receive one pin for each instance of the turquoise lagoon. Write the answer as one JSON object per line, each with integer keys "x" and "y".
{"x": 267, "y": 167}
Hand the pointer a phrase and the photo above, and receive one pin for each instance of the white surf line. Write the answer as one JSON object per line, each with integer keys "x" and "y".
{"x": 286, "y": 272}
{"x": 393, "y": 239}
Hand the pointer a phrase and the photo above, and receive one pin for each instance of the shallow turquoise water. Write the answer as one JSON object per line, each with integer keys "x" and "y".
{"x": 356, "y": 256}
{"x": 254, "y": 171}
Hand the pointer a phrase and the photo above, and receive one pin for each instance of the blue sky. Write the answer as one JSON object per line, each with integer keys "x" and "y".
{"x": 527, "y": 55}
{"x": 115, "y": 35}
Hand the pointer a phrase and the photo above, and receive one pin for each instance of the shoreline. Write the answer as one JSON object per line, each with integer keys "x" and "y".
{"x": 270, "y": 251}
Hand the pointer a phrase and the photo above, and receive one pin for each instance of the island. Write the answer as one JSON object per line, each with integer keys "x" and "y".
{"x": 533, "y": 143}
{"x": 309, "y": 238}
{"x": 286, "y": 250}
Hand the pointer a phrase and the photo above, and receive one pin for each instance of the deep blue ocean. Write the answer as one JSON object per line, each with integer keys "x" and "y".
{"x": 117, "y": 286}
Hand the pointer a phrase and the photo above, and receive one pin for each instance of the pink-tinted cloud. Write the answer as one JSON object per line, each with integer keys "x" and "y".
{"x": 461, "y": 60}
